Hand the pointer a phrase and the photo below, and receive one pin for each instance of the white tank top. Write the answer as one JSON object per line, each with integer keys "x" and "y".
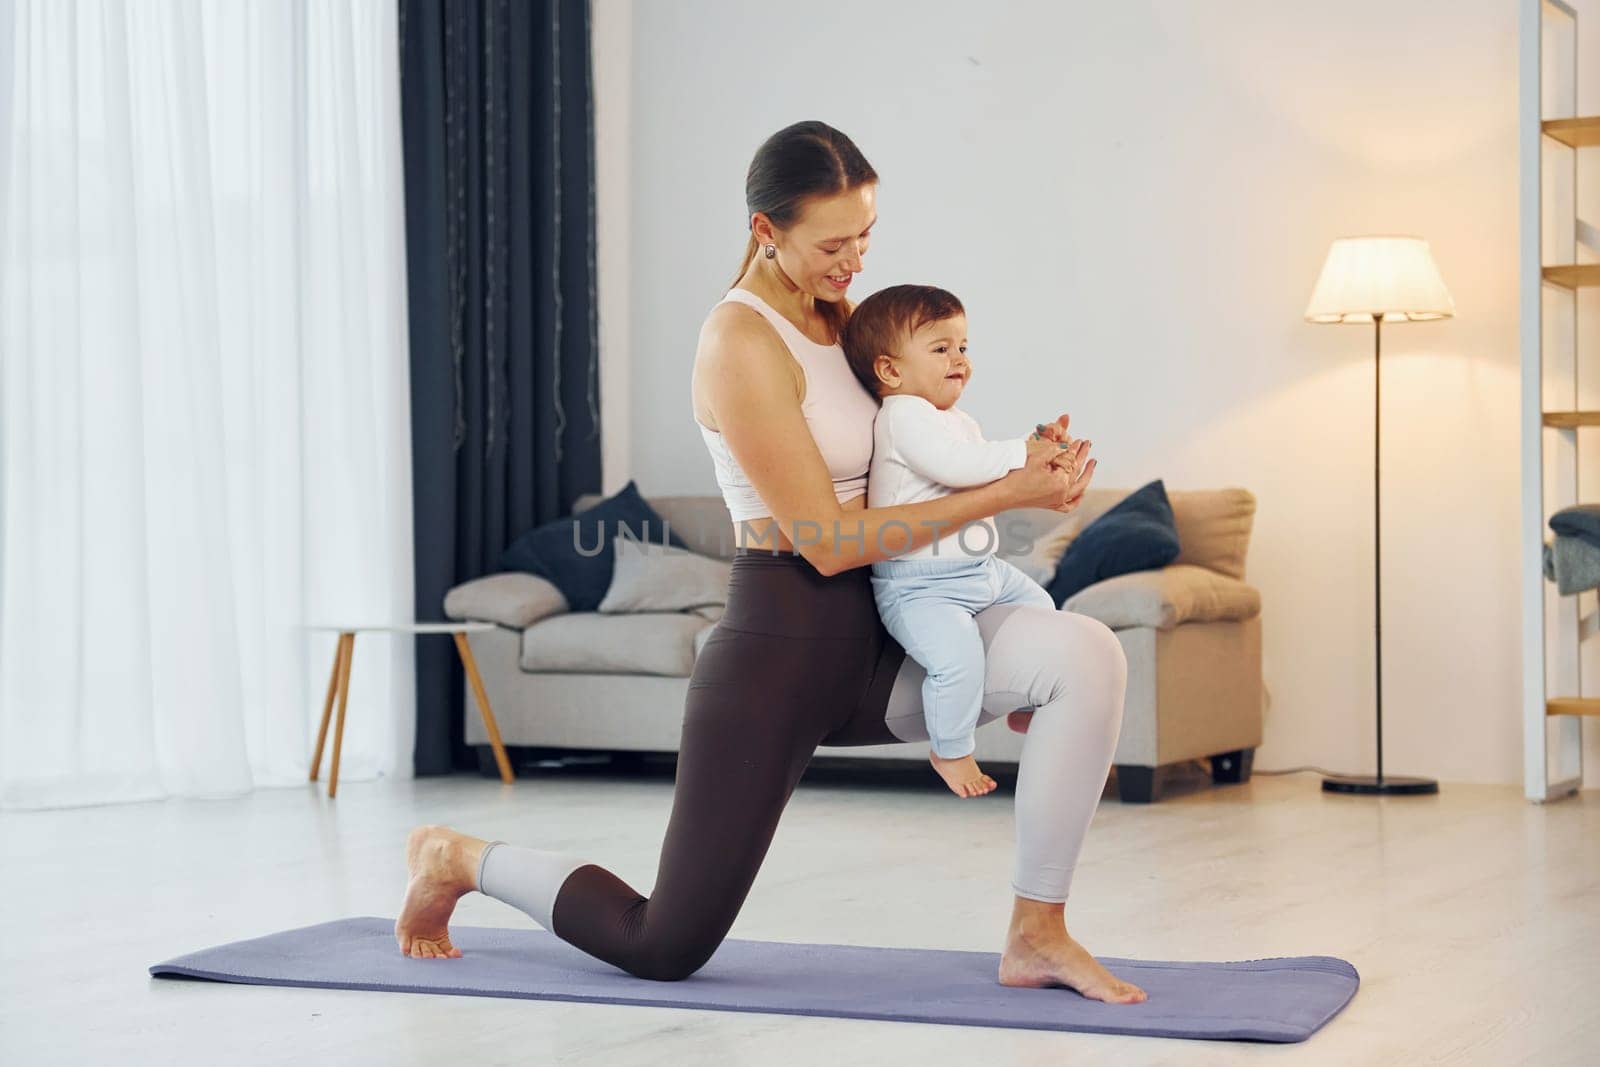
{"x": 839, "y": 411}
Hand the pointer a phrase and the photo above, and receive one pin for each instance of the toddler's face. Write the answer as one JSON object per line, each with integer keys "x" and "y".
{"x": 932, "y": 363}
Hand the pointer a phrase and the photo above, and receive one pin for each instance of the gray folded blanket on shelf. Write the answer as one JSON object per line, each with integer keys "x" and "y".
{"x": 1573, "y": 563}
{"x": 1580, "y": 520}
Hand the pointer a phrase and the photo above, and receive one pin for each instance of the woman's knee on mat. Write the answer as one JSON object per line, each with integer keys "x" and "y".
{"x": 670, "y": 958}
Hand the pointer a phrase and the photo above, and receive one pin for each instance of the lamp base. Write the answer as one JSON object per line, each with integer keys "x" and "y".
{"x": 1396, "y": 785}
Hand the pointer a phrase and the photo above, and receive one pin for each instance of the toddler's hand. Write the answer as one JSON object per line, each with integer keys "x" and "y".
{"x": 1063, "y": 452}
{"x": 1038, "y": 446}
{"x": 1054, "y": 431}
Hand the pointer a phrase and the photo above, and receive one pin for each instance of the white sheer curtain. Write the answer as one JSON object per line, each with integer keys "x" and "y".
{"x": 204, "y": 421}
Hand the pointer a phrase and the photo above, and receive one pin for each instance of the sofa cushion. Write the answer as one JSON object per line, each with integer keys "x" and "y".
{"x": 700, "y": 640}
{"x": 575, "y": 552}
{"x": 1214, "y": 527}
{"x": 1095, "y": 503}
{"x": 660, "y": 642}
{"x": 1213, "y": 524}
{"x": 1033, "y": 540}
{"x": 651, "y": 577}
{"x": 702, "y": 522}
{"x": 1135, "y": 534}
{"x": 511, "y": 598}
{"x": 1166, "y": 597}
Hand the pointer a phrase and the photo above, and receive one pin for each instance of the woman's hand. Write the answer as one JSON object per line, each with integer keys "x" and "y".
{"x": 1051, "y": 478}
{"x": 1080, "y": 485}
{"x": 1070, "y": 457}
{"x": 1057, "y": 431}
{"x": 1064, "y": 456}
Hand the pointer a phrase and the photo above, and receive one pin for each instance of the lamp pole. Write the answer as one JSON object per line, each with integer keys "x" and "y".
{"x": 1396, "y": 274}
{"x": 1377, "y": 525}
{"x": 1361, "y": 783}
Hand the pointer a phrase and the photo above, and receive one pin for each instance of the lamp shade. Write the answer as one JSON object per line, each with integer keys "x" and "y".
{"x": 1388, "y": 275}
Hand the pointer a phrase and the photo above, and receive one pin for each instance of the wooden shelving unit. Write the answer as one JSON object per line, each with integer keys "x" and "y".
{"x": 1554, "y": 413}
{"x": 1574, "y": 133}
{"x": 1573, "y": 706}
{"x": 1571, "y": 420}
{"x": 1573, "y": 275}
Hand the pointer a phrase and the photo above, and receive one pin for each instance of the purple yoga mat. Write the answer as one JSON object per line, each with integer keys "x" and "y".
{"x": 1285, "y": 999}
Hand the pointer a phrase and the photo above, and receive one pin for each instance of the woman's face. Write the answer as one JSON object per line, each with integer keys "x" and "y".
{"x": 822, "y": 252}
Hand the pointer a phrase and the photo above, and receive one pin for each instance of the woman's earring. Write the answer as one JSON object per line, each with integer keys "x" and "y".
{"x": 771, "y": 251}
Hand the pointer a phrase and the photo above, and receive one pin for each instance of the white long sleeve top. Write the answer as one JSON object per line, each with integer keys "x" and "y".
{"x": 922, "y": 453}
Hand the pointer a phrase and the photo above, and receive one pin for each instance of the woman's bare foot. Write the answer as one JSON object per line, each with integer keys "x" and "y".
{"x": 964, "y": 777}
{"x": 1039, "y": 952}
{"x": 444, "y": 867}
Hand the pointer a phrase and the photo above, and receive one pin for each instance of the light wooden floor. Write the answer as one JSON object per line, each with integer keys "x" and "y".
{"x": 1474, "y": 918}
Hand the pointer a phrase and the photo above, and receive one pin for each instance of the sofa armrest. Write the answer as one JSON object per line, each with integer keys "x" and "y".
{"x": 1163, "y": 598}
{"x": 510, "y": 598}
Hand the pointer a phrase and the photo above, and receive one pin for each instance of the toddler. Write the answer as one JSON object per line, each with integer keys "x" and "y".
{"x": 908, "y": 345}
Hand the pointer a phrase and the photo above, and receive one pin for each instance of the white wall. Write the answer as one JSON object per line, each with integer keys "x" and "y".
{"x": 1133, "y": 200}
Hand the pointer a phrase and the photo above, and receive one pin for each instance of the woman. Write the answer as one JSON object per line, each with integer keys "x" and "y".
{"x": 800, "y": 656}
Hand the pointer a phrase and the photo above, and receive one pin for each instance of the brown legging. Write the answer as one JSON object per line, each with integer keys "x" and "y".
{"x": 800, "y": 660}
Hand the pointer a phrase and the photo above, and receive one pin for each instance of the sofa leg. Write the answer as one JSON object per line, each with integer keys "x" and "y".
{"x": 487, "y": 766}
{"x": 628, "y": 762}
{"x": 1232, "y": 767}
{"x": 1138, "y": 785}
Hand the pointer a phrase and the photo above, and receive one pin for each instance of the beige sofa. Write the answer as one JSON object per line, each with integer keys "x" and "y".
{"x": 617, "y": 682}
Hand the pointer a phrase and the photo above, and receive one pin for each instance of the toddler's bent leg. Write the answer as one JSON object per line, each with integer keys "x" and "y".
{"x": 1017, "y": 588}
{"x": 943, "y": 637}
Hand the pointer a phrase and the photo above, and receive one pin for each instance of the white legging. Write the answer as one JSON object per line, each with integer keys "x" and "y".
{"x": 1071, "y": 669}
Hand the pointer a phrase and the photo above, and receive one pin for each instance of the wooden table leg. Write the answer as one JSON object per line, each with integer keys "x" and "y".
{"x": 347, "y": 644}
{"x": 489, "y": 724}
{"x": 327, "y": 706}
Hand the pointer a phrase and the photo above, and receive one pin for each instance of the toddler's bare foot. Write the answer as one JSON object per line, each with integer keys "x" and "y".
{"x": 1018, "y": 721}
{"x": 1039, "y": 952}
{"x": 443, "y": 869}
{"x": 964, "y": 777}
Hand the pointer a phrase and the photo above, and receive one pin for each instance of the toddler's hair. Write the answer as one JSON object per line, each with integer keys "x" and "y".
{"x": 884, "y": 321}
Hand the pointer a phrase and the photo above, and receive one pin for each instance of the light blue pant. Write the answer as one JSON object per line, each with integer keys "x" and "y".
{"x": 928, "y": 606}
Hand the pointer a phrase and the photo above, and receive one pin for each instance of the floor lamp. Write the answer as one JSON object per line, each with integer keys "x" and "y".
{"x": 1377, "y": 279}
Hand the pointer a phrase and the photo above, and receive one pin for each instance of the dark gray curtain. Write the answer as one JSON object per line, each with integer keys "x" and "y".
{"x": 497, "y": 124}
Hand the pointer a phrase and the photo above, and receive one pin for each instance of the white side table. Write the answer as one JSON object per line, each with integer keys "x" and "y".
{"x": 339, "y": 683}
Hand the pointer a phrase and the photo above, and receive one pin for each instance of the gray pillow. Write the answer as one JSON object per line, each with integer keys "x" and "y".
{"x": 509, "y": 598}
{"x": 1046, "y": 550}
{"x": 654, "y": 577}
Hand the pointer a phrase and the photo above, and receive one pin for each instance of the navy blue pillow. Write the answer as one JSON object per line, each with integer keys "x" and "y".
{"x": 552, "y": 552}
{"x": 1136, "y": 535}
